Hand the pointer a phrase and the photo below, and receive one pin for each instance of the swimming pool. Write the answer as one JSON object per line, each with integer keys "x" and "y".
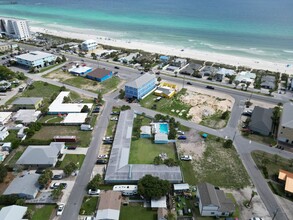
{"x": 164, "y": 128}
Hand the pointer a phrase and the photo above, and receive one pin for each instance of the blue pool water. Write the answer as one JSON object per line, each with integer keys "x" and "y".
{"x": 164, "y": 128}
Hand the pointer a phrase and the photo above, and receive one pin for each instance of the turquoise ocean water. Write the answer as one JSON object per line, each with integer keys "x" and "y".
{"x": 250, "y": 28}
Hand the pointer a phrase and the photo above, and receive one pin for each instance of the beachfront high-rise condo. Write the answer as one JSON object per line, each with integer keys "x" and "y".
{"x": 141, "y": 86}
{"x": 15, "y": 28}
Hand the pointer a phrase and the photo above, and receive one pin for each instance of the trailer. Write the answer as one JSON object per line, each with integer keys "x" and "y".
{"x": 65, "y": 139}
{"x": 126, "y": 190}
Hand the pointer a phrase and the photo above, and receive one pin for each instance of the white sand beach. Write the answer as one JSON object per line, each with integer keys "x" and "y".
{"x": 84, "y": 34}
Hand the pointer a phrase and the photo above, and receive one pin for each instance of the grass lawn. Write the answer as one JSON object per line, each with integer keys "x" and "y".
{"x": 137, "y": 209}
{"x": 93, "y": 86}
{"x": 51, "y": 119}
{"x": 48, "y": 132}
{"x": 188, "y": 173}
{"x": 166, "y": 105}
{"x": 75, "y": 158}
{"x": 16, "y": 156}
{"x": 42, "y": 213}
{"x": 143, "y": 151}
{"x": 49, "y": 67}
{"x": 274, "y": 163}
{"x": 215, "y": 120}
{"x": 89, "y": 205}
{"x": 218, "y": 165}
{"x": 110, "y": 128}
{"x": 260, "y": 138}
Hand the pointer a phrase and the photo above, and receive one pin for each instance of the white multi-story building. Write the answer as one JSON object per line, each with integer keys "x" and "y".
{"x": 15, "y": 28}
{"x": 89, "y": 45}
{"x": 35, "y": 59}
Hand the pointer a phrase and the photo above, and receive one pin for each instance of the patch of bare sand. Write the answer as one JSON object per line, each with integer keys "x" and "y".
{"x": 205, "y": 103}
{"x": 257, "y": 208}
{"x": 59, "y": 75}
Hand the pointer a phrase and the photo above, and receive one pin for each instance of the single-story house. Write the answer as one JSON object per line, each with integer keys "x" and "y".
{"x": 80, "y": 70}
{"x": 223, "y": 72}
{"x": 261, "y": 120}
{"x": 245, "y": 76}
{"x": 75, "y": 118}
{"x": 268, "y": 82}
{"x": 58, "y": 107}
{"x": 287, "y": 177}
{"x": 162, "y": 214}
{"x": 41, "y": 156}
{"x": 26, "y": 116}
{"x": 25, "y": 186}
{"x": 181, "y": 187}
{"x": 191, "y": 68}
{"x": 161, "y": 138}
{"x": 28, "y": 103}
{"x": 166, "y": 90}
{"x": 129, "y": 58}
{"x": 109, "y": 206}
{"x": 3, "y": 133}
{"x": 208, "y": 70}
{"x": 13, "y": 212}
{"x": 6, "y": 146}
{"x": 4, "y": 117}
{"x": 159, "y": 203}
{"x": 213, "y": 202}
{"x": 145, "y": 132}
{"x": 100, "y": 75}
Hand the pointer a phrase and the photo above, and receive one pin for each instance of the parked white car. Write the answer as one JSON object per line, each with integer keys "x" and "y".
{"x": 186, "y": 157}
{"x": 60, "y": 208}
{"x": 94, "y": 192}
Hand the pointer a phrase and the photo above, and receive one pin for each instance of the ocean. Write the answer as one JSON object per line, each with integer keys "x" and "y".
{"x": 260, "y": 29}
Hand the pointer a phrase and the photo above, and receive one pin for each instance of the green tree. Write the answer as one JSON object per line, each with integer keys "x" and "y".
{"x": 247, "y": 84}
{"x": 85, "y": 109}
{"x": 3, "y": 173}
{"x": 121, "y": 94}
{"x": 159, "y": 79}
{"x": 20, "y": 202}
{"x": 63, "y": 58}
{"x": 170, "y": 162}
{"x": 291, "y": 162}
{"x": 228, "y": 144}
{"x": 45, "y": 178}
{"x": 69, "y": 168}
{"x": 28, "y": 214}
{"x": 153, "y": 187}
{"x": 251, "y": 197}
{"x": 95, "y": 182}
{"x": 158, "y": 160}
{"x": 62, "y": 88}
{"x": 56, "y": 193}
{"x": 236, "y": 83}
{"x": 225, "y": 115}
{"x": 58, "y": 60}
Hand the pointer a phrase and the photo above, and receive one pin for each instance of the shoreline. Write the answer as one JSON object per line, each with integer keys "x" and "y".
{"x": 84, "y": 34}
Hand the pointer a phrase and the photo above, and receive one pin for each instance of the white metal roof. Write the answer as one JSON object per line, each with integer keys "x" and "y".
{"x": 90, "y": 41}
{"x": 159, "y": 203}
{"x": 75, "y": 118}
{"x": 80, "y": 69}
{"x": 108, "y": 214}
{"x": 14, "y": 212}
{"x": 181, "y": 186}
{"x": 58, "y": 106}
{"x": 4, "y": 116}
{"x": 34, "y": 55}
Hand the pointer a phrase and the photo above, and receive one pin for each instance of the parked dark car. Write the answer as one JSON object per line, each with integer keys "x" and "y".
{"x": 57, "y": 177}
{"x": 96, "y": 110}
{"x": 115, "y": 113}
{"x": 107, "y": 141}
{"x": 40, "y": 171}
{"x": 210, "y": 87}
{"x": 158, "y": 73}
{"x": 116, "y": 67}
{"x": 101, "y": 161}
{"x": 189, "y": 83}
{"x": 71, "y": 147}
{"x": 182, "y": 137}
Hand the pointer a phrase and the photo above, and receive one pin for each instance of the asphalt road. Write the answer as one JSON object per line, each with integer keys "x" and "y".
{"x": 73, "y": 205}
{"x": 243, "y": 146}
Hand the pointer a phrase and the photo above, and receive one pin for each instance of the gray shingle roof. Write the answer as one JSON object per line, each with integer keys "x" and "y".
{"x": 191, "y": 68}
{"x": 261, "y": 119}
{"x": 26, "y": 184}
{"x": 209, "y": 195}
{"x": 140, "y": 81}
{"x": 287, "y": 115}
{"x": 14, "y": 212}
{"x": 118, "y": 169}
{"x": 41, "y": 155}
{"x": 27, "y": 101}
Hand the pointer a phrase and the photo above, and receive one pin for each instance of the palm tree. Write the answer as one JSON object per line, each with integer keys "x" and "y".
{"x": 236, "y": 82}
{"x": 247, "y": 84}
{"x": 242, "y": 86}
{"x": 252, "y": 195}
{"x": 275, "y": 119}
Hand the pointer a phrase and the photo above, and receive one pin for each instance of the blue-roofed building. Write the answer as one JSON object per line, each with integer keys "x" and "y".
{"x": 141, "y": 86}
{"x": 164, "y": 59}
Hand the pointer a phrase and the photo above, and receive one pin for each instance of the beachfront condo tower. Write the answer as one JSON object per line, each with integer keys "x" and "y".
{"x": 14, "y": 28}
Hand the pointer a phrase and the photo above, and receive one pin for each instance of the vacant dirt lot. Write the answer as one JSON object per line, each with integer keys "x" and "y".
{"x": 206, "y": 103}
